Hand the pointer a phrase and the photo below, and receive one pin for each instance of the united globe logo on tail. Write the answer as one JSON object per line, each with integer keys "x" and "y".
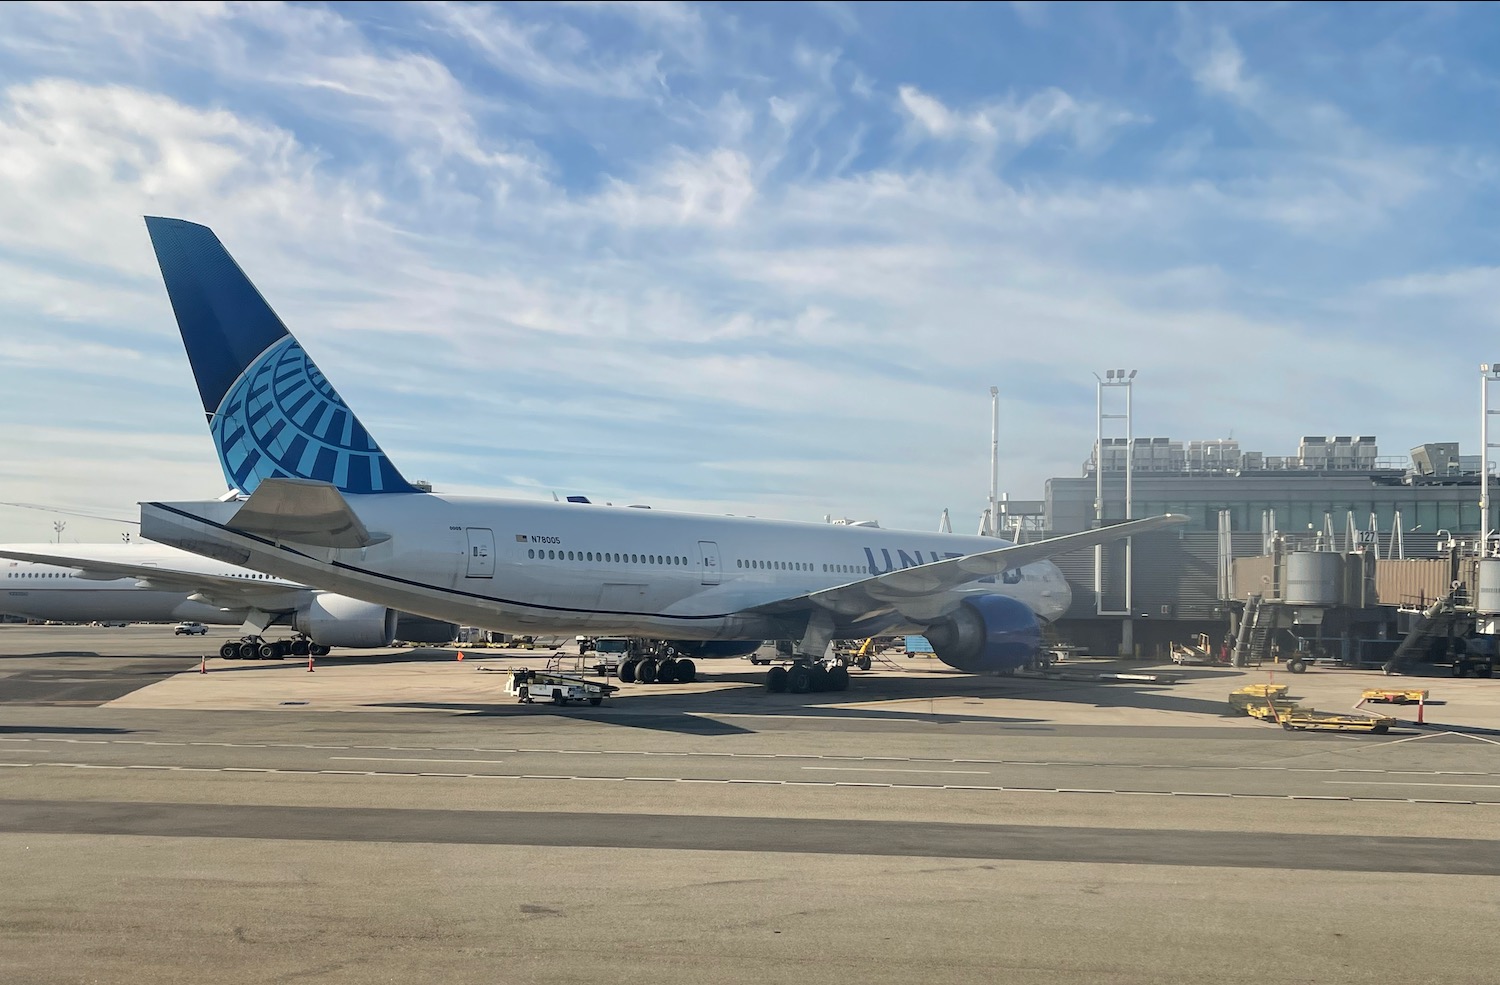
{"x": 282, "y": 419}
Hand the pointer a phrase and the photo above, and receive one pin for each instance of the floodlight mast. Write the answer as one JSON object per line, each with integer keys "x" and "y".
{"x": 1488, "y": 373}
{"x": 994, "y": 521}
{"x": 1124, "y": 379}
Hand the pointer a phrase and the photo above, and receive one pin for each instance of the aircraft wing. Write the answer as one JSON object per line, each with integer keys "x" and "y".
{"x": 872, "y": 595}
{"x": 219, "y": 590}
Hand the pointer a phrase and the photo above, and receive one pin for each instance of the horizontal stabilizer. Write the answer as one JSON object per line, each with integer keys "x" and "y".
{"x": 302, "y": 511}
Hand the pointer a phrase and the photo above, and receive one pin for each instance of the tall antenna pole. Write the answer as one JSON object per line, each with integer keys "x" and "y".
{"x": 994, "y": 524}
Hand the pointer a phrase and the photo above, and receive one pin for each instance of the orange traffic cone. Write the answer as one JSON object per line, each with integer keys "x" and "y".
{"x": 460, "y": 654}
{"x": 309, "y": 661}
{"x": 203, "y": 664}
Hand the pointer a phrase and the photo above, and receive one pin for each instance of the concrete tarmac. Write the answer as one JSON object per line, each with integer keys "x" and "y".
{"x": 394, "y": 817}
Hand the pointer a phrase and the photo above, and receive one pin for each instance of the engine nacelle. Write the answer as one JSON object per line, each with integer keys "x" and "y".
{"x": 987, "y": 633}
{"x": 337, "y": 620}
{"x": 420, "y": 629}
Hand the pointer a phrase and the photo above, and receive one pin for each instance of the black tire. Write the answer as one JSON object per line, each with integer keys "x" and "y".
{"x": 558, "y": 698}
{"x": 319, "y": 650}
{"x": 799, "y": 679}
{"x": 687, "y": 671}
{"x": 1483, "y": 670}
{"x": 863, "y": 663}
{"x": 819, "y": 679}
{"x": 666, "y": 671}
{"x": 1381, "y": 729}
{"x": 838, "y": 679}
{"x": 1459, "y": 670}
{"x": 596, "y": 700}
{"x": 249, "y": 651}
{"x": 776, "y": 679}
{"x": 645, "y": 672}
{"x": 230, "y": 651}
{"x": 267, "y": 651}
{"x": 1297, "y": 666}
{"x": 627, "y": 672}
{"x": 299, "y": 648}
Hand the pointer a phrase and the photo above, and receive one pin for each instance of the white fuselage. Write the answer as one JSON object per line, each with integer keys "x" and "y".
{"x": 63, "y": 593}
{"x": 574, "y": 567}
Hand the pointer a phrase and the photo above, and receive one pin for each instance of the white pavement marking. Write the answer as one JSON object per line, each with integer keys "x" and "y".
{"x": 890, "y": 769}
{"x": 1413, "y": 783}
{"x": 393, "y": 759}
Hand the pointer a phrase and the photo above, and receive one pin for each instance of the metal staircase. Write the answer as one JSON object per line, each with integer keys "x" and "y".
{"x": 1434, "y": 621}
{"x": 1253, "y": 644}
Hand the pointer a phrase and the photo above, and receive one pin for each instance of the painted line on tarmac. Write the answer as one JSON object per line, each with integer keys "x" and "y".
{"x": 753, "y": 781}
{"x": 392, "y": 759}
{"x": 812, "y": 757}
{"x": 890, "y": 769}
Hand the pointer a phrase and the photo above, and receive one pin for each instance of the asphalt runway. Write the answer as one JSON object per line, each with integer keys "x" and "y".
{"x": 438, "y": 834}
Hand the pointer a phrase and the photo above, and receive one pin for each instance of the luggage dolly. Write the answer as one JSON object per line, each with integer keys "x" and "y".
{"x": 529, "y": 685}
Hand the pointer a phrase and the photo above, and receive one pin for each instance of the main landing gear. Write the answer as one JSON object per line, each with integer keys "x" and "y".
{"x": 256, "y": 648}
{"x": 810, "y": 670}
{"x": 802, "y": 677}
{"x": 660, "y": 666}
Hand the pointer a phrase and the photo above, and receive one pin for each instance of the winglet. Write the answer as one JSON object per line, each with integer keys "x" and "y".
{"x": 271, "y": 411}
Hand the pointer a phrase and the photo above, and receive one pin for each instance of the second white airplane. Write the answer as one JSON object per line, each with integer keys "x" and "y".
{"x": 322, "y": 504}
{"x": 153, "y": 583}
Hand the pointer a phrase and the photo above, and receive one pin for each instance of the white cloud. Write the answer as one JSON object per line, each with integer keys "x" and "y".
{"x": 711, "y": 189}
{"x": 1017, "y": 123}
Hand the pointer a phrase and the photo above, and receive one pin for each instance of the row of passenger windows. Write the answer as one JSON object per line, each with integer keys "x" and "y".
{"x": 38, "y": 574}
{"x": 844, "y": 569}
{"x": 607, "y": 557}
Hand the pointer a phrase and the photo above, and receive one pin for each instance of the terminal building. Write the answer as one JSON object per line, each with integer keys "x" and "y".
{"x": 1335, "y": 494}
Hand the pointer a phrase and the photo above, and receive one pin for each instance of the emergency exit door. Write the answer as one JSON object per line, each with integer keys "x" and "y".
{"x": 481, "y": 552}
{"x": 708, "y": 555}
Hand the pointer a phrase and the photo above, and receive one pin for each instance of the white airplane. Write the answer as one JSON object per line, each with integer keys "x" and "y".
{"x": 319, "y": 502}
{"x": 152, "y": 583}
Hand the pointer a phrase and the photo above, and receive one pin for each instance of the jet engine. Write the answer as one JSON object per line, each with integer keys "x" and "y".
{"x": 420, "y": 629}
{"x": 337, "y": 620}
{"x": 987, "y": 633}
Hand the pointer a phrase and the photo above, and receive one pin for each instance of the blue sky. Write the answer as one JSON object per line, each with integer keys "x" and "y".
{"x": 762, "y": 258}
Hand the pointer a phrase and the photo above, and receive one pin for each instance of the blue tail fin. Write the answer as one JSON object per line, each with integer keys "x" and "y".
{"x": 271, "y": 412}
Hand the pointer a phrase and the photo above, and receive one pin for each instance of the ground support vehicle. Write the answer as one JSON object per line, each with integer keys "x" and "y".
{"x": 529, "y": 685}
{"x": 1394, "y": 696}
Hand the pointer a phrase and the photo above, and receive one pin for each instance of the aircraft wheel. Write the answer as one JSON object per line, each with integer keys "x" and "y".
{"x": 230, "y": 651}
{"x": 687, "y": 671}
{"x": 319, "y": 650}
{"x": 819, "y": 679}
{"x": 299, "y": 648}
{"x": 838, "y": 679}
{"x": 646, "y": 672}
{"x": 776, "y": 679}
{"x": 799, "y": 679}
{"x": 249, "y": 651}
{"x": 626, "y": 672}
{"x": 666, "y": 671}
{"x": 863, "y": 663}
{"x": 267, "y": 651}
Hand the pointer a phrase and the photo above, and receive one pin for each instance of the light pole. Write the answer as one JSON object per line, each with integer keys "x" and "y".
{"x": 58, "y": 526}
{"x": 994, "y": 523}
{"x": 1122, "y": 379}
{"x": 1488, "y": 373}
